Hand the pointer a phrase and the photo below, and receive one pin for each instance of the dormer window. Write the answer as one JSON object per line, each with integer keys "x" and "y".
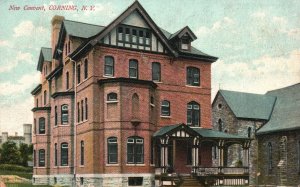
{"x": 185, "y": 44}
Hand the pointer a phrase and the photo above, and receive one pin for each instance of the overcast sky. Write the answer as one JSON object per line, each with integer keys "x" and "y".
{"x": 257, "y": 42}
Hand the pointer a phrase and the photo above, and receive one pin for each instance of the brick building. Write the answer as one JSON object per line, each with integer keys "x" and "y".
{"x": 271, "y": 119}
{"x": 116, "y": 102}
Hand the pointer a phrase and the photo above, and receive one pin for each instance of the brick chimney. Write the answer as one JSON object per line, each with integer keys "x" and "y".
{"x": 56, "y": 24}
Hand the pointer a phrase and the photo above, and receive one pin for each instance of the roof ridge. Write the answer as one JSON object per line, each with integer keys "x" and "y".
{"x": 84, "y": 23}
{"x": 242, "y": 92}
{"x": 283, "y": 87}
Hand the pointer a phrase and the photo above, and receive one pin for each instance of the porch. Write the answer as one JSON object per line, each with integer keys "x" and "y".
{"x": 170, "y": 155}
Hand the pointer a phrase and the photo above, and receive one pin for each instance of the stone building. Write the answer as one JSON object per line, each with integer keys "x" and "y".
{"x": 26, "y": 138}
{"x": 109, "y": 109}
{"x": 253, "y": 115}
{"x": 279, "y": 140}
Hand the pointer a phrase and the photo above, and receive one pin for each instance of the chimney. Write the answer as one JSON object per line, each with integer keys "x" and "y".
{"x": 56, "y": 24}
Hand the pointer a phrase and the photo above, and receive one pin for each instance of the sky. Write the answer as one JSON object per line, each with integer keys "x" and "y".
{"x": 257, "y": 42}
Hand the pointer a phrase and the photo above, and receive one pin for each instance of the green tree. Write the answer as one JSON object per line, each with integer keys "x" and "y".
{"x": 10, "y": 153}
{"x": 24, "y": 153}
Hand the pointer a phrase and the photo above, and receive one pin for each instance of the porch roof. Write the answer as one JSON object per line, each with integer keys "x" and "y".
{"x": 196, "y": 131}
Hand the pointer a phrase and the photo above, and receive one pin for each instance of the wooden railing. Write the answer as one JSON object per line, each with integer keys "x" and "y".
{"x": 206, "y": 171}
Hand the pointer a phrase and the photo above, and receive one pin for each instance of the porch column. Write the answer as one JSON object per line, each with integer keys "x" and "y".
{"x": 245, "y": 157}
{"x": 164, "y": 153}
{"x": 195, "y": 154}
{"x": 221, "y": 155}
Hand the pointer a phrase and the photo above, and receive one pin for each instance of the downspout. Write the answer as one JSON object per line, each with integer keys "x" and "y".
{"x": 75, "y": 121}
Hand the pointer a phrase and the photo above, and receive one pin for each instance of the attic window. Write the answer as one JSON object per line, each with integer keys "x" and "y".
{"x": 185, "y": 44}
{"x": 134, "y": 37}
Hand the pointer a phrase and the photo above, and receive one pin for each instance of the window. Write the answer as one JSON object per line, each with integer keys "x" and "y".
{"x": 81, "y": 180}
{"x": 112, "y": 97}
{"x": 78, "y": 112}
{"x": 82, "y": 153}
{"x": 34, "y": 126}
{"x": 249, "y": 132}
{"x": 64, "y": 154}
{"x": 185, "y": 44}
{"x": 82, "y": 110}
{"x": 55, "y": 180}
{"x": 66, "y": 49}
{"x": 86, "y": 109}
{"x": 165, "y": 108}
{"x": 193, "y": 114}
{"x": 133, "y": 69}
{"x": 42, "y": 158}
{"x": 109, "y": 66}
{"x": 135, "y": 150}
{"x": 156, "y": 72}
{"x": 133, "y": 37}
{"x": 215, "y": 152}
{"x": 85, "y": 69}
{"x": 37, "y": 103}
{"x": 69, "y": 46}
{"x": 55, "y": 154}
{"x": 45, "y": 97}
{"x": 55, "y": 115}
{"x": 270, "y": 159}
{"x": 78, "y": 73}
{"x": 67, "y": 81}
{"x": 135, "y": 181}
{"x": 34, "y": 158}
{"x": 112, "y": 148}
{"x": 193, "y": 76}
{"x": 220, "y": 124}
{"x": 42, "y": 129}
{"x": 64, "y": 114}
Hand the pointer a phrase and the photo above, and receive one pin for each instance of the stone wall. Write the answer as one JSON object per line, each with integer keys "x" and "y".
{"x": 285, "y": 160}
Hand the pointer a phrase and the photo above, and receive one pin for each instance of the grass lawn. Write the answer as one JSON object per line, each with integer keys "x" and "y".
{"x": 25, "y": 175}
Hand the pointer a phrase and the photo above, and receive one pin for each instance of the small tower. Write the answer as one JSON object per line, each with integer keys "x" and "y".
{"x": 4, "y": 137}
{"x": 27, "y": 133}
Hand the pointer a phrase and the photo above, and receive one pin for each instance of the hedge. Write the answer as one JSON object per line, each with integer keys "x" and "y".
{"x": 10, "y": 167}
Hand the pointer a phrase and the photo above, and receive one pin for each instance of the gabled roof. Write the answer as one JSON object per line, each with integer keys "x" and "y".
{"x": 162, "y": 34}
{"x": 286, "y": 113}
{"x": 182, "y": 31}
{"x": 203, "y": 133}
{"x": 249, "y": 105}
{"x": 45, "y": 55}
{"x": 81, "y": 30}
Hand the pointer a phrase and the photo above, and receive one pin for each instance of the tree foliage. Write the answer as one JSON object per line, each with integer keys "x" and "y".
{"x": 10, "y": 153}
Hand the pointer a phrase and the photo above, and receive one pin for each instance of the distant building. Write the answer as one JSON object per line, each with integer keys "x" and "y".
{"x": 26, "y": 138}
{"x": 272, "y": 120}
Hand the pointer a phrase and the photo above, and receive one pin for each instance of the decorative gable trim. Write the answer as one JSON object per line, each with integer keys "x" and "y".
{"x": 136, "y": 6}
{"x": 183, "y": 31}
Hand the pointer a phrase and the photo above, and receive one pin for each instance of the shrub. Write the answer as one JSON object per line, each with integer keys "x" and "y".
{"x": 11, "y": 167}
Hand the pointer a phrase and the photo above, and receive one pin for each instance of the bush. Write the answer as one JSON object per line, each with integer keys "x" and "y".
{"x": 11, "y": 167}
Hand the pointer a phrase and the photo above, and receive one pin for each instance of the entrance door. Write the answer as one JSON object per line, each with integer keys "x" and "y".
{"x": 183, "y": 156}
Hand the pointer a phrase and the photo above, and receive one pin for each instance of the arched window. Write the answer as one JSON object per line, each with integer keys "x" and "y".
{"x": 109, "y": 66}
{"x": 112, "y": 96}
{"x": 135, "y": 105}
{"x": 85, "y": 68}
{"x": 37, "y": 102}
{"x": 34, "y": 126}
{"x": 112, "y": 149}
{"x": 34, "y": 158}
{"x": 165, "y": 108}
{"x": 42, "y": 158}
{"x": 78, "y": 112}
{"x": 133, "y": 69}
{"x": 78, "y": 73}
{"x": 82, "y": 153}
{"x": 64, "y": 114}
{"x": 45, "y": 97}
{"x": 82, "y": 111}
{"x": 270, "y": 159}
{"x": 64, "y": 154}
{"x": 42, "y": 129}
{"x": 193, "y": 76}
{"x": 135, "y": 150}
{"x": 69, "y": 46}
{"x": 220, "y": 124}
{"x": 156, "y": 72}
{"x": 249, "y": 132}
{"x": 193, "y": 114}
